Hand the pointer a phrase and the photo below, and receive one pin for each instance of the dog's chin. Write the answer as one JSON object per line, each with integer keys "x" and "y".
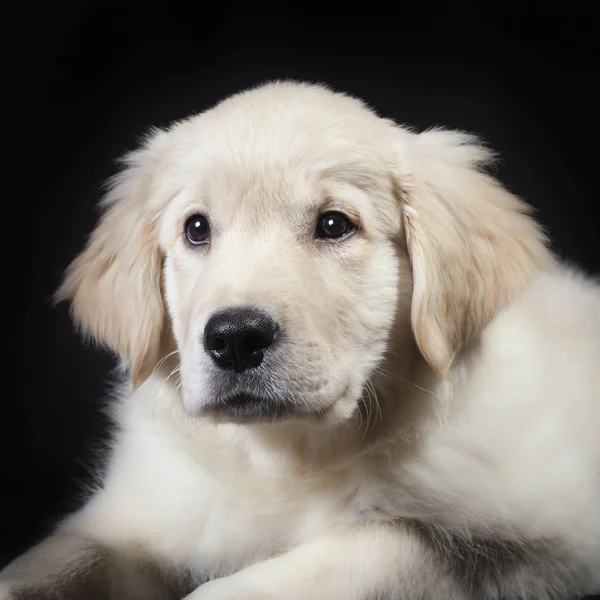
{"x": 250, "y": 409}
{"x": 244, "y": 408}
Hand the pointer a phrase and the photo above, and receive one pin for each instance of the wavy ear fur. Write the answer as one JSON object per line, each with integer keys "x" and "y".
{"x": 114, "y": 285}
{"x": 473, "y": 246}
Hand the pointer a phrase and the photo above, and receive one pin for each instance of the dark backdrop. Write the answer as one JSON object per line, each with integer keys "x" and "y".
{"x": 83, "y": 80}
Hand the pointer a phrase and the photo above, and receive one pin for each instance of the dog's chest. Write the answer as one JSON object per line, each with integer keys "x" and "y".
{"x": 216, "y": 509}
{"x": 258, "y": 516}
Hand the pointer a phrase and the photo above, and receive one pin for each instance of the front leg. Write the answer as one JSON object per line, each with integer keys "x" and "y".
{"x": 409, "y": 561}
{"x": 364, "y": 562}
{"x": 70, "y": 566}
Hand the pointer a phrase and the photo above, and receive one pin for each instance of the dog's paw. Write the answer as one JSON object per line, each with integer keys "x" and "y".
{"x": 230, "y": 588}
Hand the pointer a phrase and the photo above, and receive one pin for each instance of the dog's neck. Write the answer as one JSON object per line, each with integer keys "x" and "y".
{"x": 390, "y": 413}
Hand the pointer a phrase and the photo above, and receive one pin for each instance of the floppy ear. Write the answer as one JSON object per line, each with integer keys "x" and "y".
{"x": 114, "y": 284}
{"x": 473, "y": 246}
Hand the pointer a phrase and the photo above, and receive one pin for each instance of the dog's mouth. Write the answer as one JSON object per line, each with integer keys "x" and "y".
{"x": 247, "y": 408}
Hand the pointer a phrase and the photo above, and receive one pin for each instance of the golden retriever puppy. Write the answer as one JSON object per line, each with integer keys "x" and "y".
{"x": 355, "y": 372}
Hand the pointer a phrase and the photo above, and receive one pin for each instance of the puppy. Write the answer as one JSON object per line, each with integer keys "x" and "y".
{"x": 354, "y": 372}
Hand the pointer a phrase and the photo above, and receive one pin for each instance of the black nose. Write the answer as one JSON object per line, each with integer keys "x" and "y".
{"x": 236, "y": 338}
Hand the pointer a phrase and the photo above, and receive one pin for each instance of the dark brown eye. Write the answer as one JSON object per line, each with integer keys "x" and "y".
{"x": 333, "y": 225}
{"x": 197, "y": 230}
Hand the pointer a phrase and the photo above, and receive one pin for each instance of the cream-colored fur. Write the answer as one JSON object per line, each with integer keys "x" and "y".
{"x": 444, "y": 366}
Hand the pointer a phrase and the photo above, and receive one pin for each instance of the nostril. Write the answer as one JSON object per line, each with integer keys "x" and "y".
{"x": 216, "y": 343}
{"x": 256, "y": 341}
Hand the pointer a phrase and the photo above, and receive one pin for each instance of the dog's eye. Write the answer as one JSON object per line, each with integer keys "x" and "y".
{"x": 334, "y": 225}
{"x": 197, "y": 230}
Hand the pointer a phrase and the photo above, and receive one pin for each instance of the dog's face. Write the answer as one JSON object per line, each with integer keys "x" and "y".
{"x": 281, "y": 280}
{"x": 286, "y": 236}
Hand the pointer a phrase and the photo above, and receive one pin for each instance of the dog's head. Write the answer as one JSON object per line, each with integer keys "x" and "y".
{"x": 285, "y": 236}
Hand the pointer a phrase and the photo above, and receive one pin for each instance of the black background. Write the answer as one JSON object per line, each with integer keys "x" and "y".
{"x": 83, "y": 80}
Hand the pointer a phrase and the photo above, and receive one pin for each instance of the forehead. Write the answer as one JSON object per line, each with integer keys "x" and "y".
{"x": 284, "y": 127}
{"x": 279, "y": 147}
